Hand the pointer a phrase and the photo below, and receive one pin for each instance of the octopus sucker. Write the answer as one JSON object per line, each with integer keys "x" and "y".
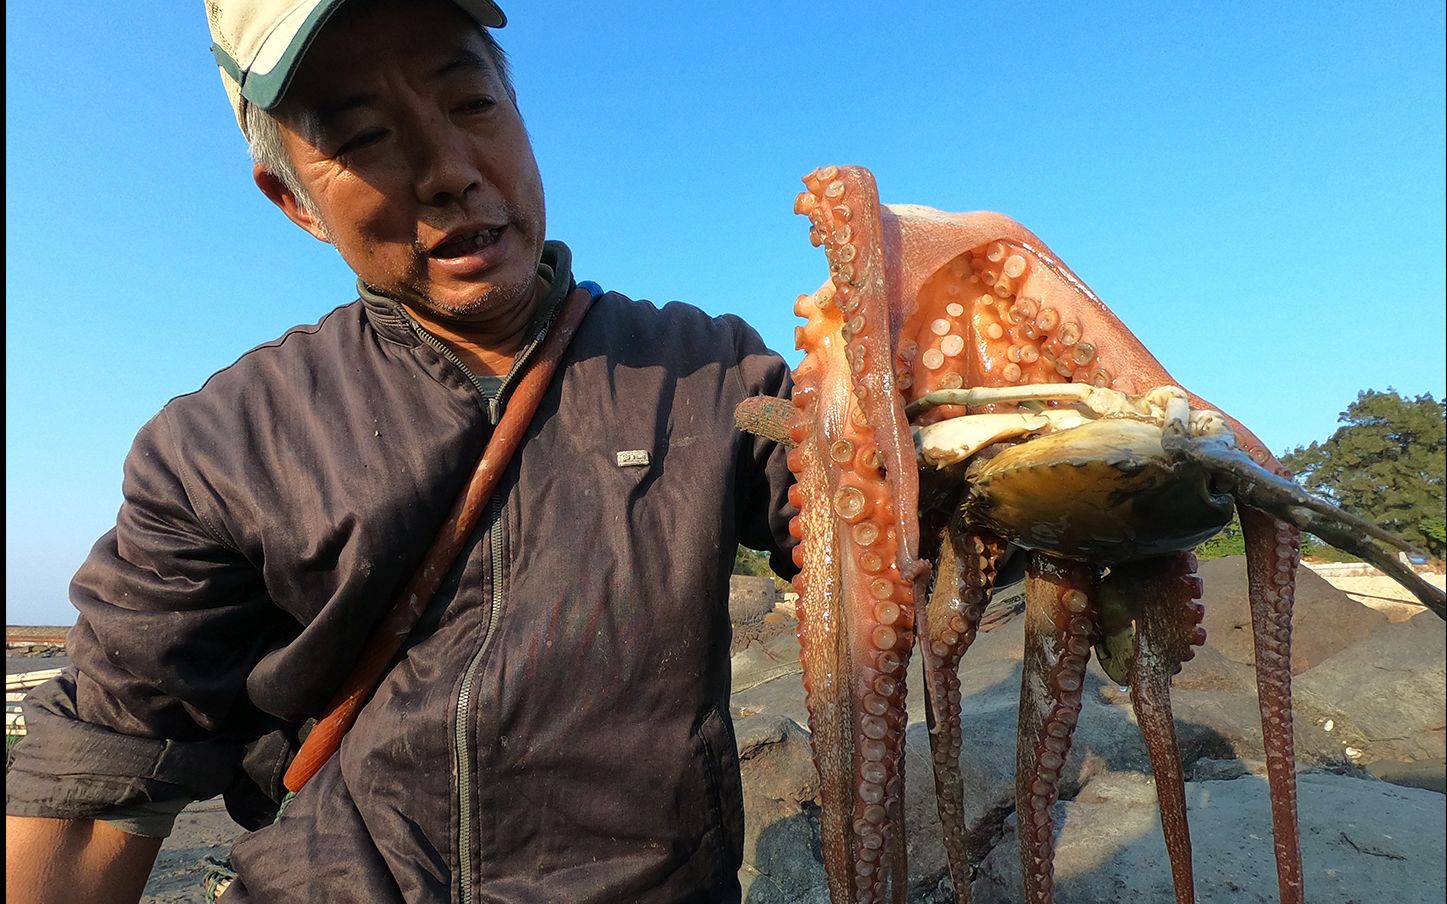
{"x": 957, "y": 375}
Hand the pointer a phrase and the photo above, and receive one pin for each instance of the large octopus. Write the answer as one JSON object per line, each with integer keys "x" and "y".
{"x": 958, "y": 343}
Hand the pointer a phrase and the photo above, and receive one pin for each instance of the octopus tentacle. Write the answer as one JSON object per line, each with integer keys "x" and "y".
{"x": 1167, "y": 626}
{"x": 850, "y": 649}
{"x": 820, "y": 634}
{"x": 843, "y": 207}
{"x": 1061, "y": 618}
{"x": 1273, "y": 550}
{"x": 963, "y": 582}
{"x": 859, "y": 533}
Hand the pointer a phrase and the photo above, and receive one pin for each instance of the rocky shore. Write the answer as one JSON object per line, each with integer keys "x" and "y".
{"x": 1370, "y": 713}
{"x": 1371, "y": 740}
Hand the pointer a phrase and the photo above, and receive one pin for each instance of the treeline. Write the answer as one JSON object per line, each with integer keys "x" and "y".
{"x": 1386, "y": 463}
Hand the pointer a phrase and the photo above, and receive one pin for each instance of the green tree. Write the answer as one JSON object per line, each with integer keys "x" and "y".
{"x": 1388, "y": 463}
{"x": 751, "y": 561}
{"x": 1229, "y": 542}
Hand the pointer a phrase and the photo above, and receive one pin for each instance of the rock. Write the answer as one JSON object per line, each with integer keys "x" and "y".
{"x": 782, "y": 860}
{"x": 1106, "y": 742}
{"x": 1218, "y": 728}
{"x": 1235, "y": 719}
{"x": 1217, "y": 718}
{"x": 775, "y": 752}
{"x": 751, "y": 598}
{"x": 1387, "y": 694}
{"x": 754, "y": 612}
{"x": 1212, "y": 670}
{"x": 767, "y": 678}
{"x": 1430, "y": 775}
{"x": 1325, "y": 621}
{"x": 1207, "y": 770}
{"x": 1362, "y": 840}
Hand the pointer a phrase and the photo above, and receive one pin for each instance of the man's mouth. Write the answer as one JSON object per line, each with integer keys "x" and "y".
{"x": 468, "y": 243}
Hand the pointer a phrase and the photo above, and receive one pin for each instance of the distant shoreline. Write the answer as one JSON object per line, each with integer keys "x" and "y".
{"x": 36, "y": 633}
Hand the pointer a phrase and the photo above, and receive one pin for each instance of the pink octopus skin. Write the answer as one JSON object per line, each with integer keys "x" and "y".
{"x": 919, "y": 300}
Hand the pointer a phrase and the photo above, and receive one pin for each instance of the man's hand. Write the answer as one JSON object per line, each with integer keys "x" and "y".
{"x": 67, "y": 860}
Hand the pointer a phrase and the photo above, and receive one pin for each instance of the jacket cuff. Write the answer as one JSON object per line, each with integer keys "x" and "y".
{"x": 69, "y": 769}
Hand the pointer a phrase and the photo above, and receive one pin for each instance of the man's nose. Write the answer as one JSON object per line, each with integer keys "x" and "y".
{"x": 446, "y": 170}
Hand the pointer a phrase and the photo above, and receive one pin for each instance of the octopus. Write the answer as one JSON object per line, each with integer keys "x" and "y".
{"x": 962, "y": 394}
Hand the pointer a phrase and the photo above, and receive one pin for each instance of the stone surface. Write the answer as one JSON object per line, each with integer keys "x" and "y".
{"x": 1387, "y": 694}
{"x": 1382, "y": 593}
{"x": 751, "y": 598}
{"x": 1325, "y": 621}
{"x": 1362, "y": 840}
{"x": 782, "y": 861}
{"x": 767, "y": 678}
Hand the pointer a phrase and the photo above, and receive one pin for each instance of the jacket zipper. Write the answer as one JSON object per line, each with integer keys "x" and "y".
{"x": 466, "y": 790}
{"x": 465, "y": 786}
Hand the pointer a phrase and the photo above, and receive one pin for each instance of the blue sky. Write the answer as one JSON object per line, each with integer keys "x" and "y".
{"x": 1259, "y": 197}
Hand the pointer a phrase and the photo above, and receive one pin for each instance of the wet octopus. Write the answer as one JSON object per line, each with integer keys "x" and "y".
{"x": 962, "y": 390}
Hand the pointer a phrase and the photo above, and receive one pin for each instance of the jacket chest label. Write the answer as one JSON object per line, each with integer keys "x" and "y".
{"x": 633, "y": 458}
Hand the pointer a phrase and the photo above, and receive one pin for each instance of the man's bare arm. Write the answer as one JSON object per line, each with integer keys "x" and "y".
{"x": 66, "y": 860}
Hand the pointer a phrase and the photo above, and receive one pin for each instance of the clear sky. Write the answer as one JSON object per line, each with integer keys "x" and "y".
{"x": 1258, "y": 194}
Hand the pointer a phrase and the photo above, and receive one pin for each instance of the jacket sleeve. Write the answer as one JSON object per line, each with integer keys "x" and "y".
{"x": 171, "y": 621}
{"x": 764, "y": 478}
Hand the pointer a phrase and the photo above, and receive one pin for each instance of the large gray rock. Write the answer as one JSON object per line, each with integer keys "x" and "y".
{"x": 1387, "y": 695}
{"x": 782, "y": 861}
{"x": 1362, "y": 840}
{"x": 1324, "y": 620}
{"x": 1106, "y": 742}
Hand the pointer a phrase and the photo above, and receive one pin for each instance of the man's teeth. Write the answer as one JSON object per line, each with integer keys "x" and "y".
{"x": 459, "y": 247}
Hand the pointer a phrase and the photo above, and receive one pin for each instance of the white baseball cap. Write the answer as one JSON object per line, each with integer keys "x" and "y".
{"x": 258, "y": 43}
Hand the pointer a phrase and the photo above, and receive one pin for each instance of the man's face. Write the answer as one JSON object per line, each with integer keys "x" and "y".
{"x": 416, "y": 160}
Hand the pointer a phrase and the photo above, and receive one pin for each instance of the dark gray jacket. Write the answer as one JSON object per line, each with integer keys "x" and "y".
{"x": 556, "y": 730}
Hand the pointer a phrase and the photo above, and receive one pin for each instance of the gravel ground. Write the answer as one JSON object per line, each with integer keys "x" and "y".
{"x": 203, "y": 829}
{"x": 14, "y": 664}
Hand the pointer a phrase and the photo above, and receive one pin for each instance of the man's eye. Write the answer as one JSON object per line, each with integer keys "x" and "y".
{"x": 362, "y": 140}
{"x": 478, "y": 104}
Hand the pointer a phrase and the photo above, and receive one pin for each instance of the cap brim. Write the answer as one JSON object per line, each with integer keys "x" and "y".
{"x": 270, "y": 73}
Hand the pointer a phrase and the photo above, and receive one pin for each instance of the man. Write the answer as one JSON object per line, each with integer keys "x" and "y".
{"x": 556, "y": 727}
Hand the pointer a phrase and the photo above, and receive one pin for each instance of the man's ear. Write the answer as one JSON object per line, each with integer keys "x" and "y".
{"x": 283, "y": 197}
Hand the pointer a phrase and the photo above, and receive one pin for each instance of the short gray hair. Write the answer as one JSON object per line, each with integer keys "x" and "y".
{"x": 263, "y": 132}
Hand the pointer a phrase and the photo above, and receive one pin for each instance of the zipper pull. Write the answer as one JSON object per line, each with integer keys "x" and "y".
{"x": 494, "y": 410}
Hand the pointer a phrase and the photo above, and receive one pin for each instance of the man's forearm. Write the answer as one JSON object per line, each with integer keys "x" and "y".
{"x": 65, "y": 860}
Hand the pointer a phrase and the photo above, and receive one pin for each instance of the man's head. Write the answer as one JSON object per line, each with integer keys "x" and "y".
{"x": 395, "y": 136}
